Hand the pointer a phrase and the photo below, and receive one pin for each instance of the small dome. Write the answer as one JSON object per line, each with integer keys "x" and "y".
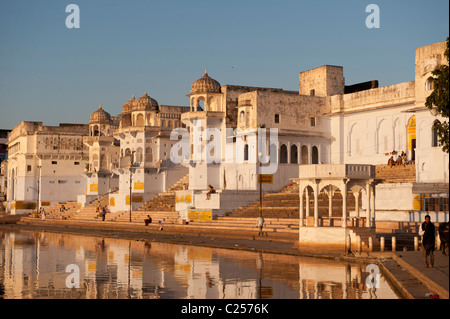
{"x": 205, "y": 84}
{"x": 145, "y": 103}
{"x": 100, "y": 116}
{"x": 128, "y": 105}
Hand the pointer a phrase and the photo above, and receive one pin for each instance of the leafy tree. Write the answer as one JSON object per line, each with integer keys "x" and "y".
{"x": 439, "y": 99}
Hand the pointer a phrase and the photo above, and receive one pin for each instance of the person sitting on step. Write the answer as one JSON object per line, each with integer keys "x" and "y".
{"x": 148, "y": 220}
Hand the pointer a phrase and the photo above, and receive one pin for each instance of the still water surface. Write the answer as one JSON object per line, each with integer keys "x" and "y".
{"x": 34, "y": 264}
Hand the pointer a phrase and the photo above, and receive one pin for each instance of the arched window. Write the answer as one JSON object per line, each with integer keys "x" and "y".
{"x": 429, "y": 84}
{"x": 201, "y": 104}
{"x": 95, "y": 131}
{"x": 139, "y": 154}
{"x": 148, "y": 155}
{"x": 304, "y": 155}
{"x": 315, "y": 155}
{"x": 283, "y": 154}
{"x": 140, "y": 120}
{"x": 294, "y": 154}
{"x": 242, "y": 118}
{"x": 434, "y": 134}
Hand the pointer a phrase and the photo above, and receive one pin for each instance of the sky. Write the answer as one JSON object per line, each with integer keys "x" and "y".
{"x": 54, "y": 74}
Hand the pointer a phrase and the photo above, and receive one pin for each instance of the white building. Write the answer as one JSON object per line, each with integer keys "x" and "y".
{"x": 144, "y": 160}
{"x": 325, "y": 122}
{"x": 103, "y": 156}
{"x": 45, "y": 165}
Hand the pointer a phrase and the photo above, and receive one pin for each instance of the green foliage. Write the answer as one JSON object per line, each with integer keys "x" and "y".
{"x": 439, "y": 99}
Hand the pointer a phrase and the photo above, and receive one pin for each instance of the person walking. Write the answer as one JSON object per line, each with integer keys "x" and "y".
{"x": 427, "y": 231}
{"x": 260, "y": 222}
{"x": 42, "y": 213}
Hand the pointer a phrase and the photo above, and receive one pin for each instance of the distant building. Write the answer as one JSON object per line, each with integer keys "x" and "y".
{"x": 3, "y": 158}
{"x": 3, "y": 145}
{"x": 45, "y": 165}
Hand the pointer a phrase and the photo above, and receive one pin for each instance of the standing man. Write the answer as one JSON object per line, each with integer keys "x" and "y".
{"x": 260, "y": 222}
{"x": 427, "y": 231}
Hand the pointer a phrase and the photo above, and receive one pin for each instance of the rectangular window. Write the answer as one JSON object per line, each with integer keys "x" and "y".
{"x": 312, "y": 92}
{"x": 313, "y": 121}
{"x": 277, "y": 118}
{"x": 54, "y": 162}
{"x": 29, "y": 168}
{"x": 76, "y": 163}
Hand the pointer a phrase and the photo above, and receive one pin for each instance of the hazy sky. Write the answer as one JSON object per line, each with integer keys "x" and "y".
{"x": 54, "y": 74}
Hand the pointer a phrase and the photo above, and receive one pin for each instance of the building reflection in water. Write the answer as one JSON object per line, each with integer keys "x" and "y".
{"x": 33, "y": 265}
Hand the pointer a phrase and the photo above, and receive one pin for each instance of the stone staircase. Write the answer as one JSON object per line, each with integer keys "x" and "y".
{"x": 54, "y": 212}
{"x": 161, "y": 208}
{"x": 282, "y": 228}
{"x": 90, "y": 211}
{"x": 396, "y": 174}
{"x": 165, "y": 201}
{"x": 286, "y": 203}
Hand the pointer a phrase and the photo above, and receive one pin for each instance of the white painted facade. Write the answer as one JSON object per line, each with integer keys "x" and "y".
{"x": 324, "y": 122}
{"x": 45, "y": 165}
{"x": 144, "y": 158}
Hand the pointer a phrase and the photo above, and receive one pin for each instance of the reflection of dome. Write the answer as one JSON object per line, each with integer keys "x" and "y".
{"x": 145, "y": 103}
{"x": 128, "y": 105}
{"x": 205, "y": 85}
{"x": 100, "y": 116}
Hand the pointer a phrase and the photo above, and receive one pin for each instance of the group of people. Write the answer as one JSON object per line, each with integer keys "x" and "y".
{"x": 401, "y": 160}
{"x": 101, "y": 212}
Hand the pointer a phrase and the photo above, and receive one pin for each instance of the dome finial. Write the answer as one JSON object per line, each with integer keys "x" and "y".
{"x": 100, "y": 107}
{"x": 132, "y": 97}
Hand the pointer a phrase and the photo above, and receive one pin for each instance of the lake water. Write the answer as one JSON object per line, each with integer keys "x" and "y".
{"x": 55, "y": 265}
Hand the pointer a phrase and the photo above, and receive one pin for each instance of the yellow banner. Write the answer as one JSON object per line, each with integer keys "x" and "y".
{"x": 411, "y": 132}
{"x": 200, "y": 215}
{"x": 417, "y": 202}
{"x": 93, "y": 188}
{"x": 136, "y": 199}
{"x": 112, "y": 202}
{"x": 138, "y": 185}
{"x": 183, "y": 197}
{"x": 265, "y": 179}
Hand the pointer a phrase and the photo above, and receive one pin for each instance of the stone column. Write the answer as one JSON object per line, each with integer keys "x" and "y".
{"x": 368, "y": 215}
{"x": 309, "y": 154}
{"x": 307, "y": 202}
{"x": 372, "y": 206}
{"x": 344, "y": 203}
{"x": 356, "y": 194}
{"x": 300, "y": 193}
{"x": 316, "y": 203}
{"x": 330, "y": 200}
